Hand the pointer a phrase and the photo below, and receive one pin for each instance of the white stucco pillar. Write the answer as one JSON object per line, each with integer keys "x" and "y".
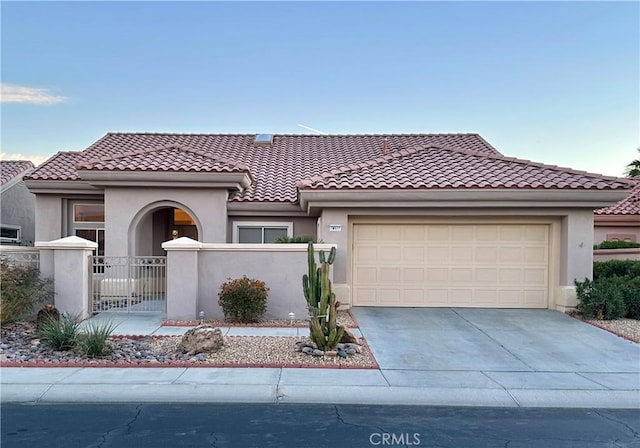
{"x": 71, "y": 277}
{"x": 182, "y": 278}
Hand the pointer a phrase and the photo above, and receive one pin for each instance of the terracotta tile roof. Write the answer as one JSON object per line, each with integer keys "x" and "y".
{"x": 439, "y": 167}
{"x": 275, "y": 168}
{"x": 12, "y": 168}
{"x": 628, "y": 206}
{"x": 61, "y": 166}
{"x": 165, "y": 158}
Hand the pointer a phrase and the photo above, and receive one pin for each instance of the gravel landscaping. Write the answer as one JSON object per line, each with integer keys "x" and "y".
{"x": 20, "y": 347}
{"x": 625, "y": 328}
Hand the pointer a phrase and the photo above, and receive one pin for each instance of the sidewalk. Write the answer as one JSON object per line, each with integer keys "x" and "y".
{"x": 293, "y": 385}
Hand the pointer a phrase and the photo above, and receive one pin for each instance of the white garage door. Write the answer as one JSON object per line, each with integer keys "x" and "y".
{"x": 459, "y": 265}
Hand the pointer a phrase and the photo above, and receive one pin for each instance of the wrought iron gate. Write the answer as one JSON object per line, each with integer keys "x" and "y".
{"x": 128, "y": 284}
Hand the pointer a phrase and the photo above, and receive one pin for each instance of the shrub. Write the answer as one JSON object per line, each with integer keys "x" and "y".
{"x": 93, "y": 341}
{"x": 295, "y": 239}
{"x": 612, "y": 268}
{"x": 243, "y": 299}
{"x": 616, "y": 245}
{"x": 21, "y": 289}
{"x": 630, "y": 289}
{"x": 60, "y": 334}
{"x": 602, "y": 299}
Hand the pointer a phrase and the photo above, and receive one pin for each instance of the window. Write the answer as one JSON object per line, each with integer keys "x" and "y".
{"x": 182, "y": 218}
{"x": 88, "y": 213}
{"x": 261, "y": 232}
{"x": 10, "y": 234}
{"x": 88, "y": 223}
{"x": 95, "y": 235}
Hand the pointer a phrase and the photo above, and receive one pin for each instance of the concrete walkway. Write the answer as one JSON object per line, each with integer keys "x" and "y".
{"x": 485, "y": 362}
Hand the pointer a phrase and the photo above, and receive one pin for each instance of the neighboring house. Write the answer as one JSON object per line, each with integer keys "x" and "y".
{"x": 17, "y": 217}
{"x": 419, "y": 220}
{"x": 621, "y": 221}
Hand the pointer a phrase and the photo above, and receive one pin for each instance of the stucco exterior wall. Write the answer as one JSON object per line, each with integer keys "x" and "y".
{"x": 18, "y": 209}
{"x": 126, "y": 208}
{"x": 601, "y": 231}
{"x": 280, "y": 267}
{"x": 48, "y": 216}
{"x": 195, "y": 272}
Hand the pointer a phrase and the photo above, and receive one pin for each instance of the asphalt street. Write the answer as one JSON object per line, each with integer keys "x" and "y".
{"x": 292, "y": 425}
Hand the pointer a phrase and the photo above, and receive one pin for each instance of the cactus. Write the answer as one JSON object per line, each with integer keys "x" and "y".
{"x": 321, "y": 301}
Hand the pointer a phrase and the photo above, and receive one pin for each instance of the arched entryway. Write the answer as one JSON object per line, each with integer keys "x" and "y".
{"x": 158, "y": 223}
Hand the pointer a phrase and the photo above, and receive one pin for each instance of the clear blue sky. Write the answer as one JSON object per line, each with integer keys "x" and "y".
{"x": 552, "y": 82}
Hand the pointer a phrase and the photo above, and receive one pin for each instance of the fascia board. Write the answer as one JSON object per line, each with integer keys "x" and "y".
{"x": 237, "y": 181}
{"x": 460, "y": 198}
{"x": 61, "y": 187}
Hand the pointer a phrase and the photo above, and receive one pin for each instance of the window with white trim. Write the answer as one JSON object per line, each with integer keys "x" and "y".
{"x": 10, "y": 234}
{"x": 88, "y": 223}
{"x": 260, "y": 232}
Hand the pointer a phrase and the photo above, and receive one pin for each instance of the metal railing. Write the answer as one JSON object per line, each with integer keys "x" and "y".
{"x": 128, "y": 284}
{"x": 21, "y": 255}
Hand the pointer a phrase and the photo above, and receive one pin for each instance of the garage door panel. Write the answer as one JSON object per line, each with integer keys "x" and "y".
{"x": 474, "y": 265}
{"x": 510, "y": 254}
{"x": 365, "y": 255}
{"x": 486, "y": 254}
{"x": 413, "y": 254}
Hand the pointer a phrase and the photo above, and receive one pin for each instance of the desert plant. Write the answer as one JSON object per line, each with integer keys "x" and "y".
{"x": 601, "y": 299}
{"x": 243, "y": 299}
{"x": 93, "y": 341}
{"x": 21, "y": 289}
{"x": 321, "y": 301}
{"x": 60, "y": 334}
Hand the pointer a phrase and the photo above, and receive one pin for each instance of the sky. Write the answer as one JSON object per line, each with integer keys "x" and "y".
{"x": 552, "y": 82}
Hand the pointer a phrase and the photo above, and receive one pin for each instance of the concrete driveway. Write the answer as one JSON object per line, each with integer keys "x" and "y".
{"x": 503, "y": 348}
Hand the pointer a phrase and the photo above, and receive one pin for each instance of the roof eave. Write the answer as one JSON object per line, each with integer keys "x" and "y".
{"x": 313, "y": 200}
{"x": 37, "y": 186}
{"x": 175, "y": 179}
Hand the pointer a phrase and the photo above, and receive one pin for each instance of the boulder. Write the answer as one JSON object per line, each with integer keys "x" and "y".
{"x": 202, "y": 339}
{"x": 348, "y": 337}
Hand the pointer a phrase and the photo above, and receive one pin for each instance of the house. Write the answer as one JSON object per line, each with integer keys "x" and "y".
{"x": 620, "y": 221}
{"x": 418, "y": 219}
{"x": 17, "y": 217}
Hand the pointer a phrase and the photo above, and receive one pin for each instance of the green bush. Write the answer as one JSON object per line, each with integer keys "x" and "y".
{"x": 616, "y": 245}
{"x": 93, "y": 341}
{"x": 60, "y": 334}
{"x": 630, "y": 289}
{"x": 294, "y": 239}
{"x": 21, "y": 289}
{"x": 243, "y": 299}
{"x": 602, "y": 299}
{"x": 613, "y": 268}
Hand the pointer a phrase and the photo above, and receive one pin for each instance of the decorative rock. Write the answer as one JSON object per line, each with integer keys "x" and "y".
{"x": 317, "y": 352}
{"x": 349, "y": 337}
{"x": 342, "y": 353}
{"x": 202, "y": 339}
{"x": 307, "y": 350}
{"x": 355, "y": 347}
{"x": 331, "y": 353}
{"x": 298, "y": 346}
{"x": 351, "y": 351}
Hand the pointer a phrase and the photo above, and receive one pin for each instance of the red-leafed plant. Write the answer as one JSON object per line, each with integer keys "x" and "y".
{"x": 243, "y": 299}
